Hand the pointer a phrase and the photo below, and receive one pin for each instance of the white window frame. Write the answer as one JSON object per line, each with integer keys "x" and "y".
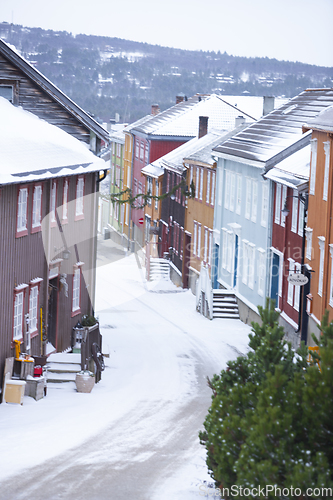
{"x": 321, "y": 264}
{"x": 327, "y": 167}
{"x": 254, "y": 201}
{"x": 65, "y": 201}
{"x": 79, "y": 197}
{"x": 232, "y": 191}
{"x": 264, "y": 204}
{"x": 251, "y": 261}
{"x": 291, "y": 270}
{"x": 206, "y": 243}
{"x": 197, "y": 183}
{"x": 18, "y": 315}
{"x": 294, "y": 212}
{"x": 201, "y": 183}
{"x": 33, "y": 309}
{"x": 199, "y": 240}
{"x": 156, "y": 194}
{"x": 22, "y": 210}
{"x": 208, "y": 187}
{"x": 239, "y": 194}
{"x": 230, "y": 237}
{"x": 212, "y": 199}
{"x": 245, "y": 272}
{"x": 277, "y": 217}
{"x": 301, "y": 210}
{"x": 76, "y": 296}
{"x": 308, "y": 236}
{"x": 37, "y": 207}
{"x": 297, "y": 295}
{"x": 283, "y": 201}
{"x": 210, "y": 246}
{"x": 224, "y": 248}
{"x": 314, "y": 145}
{"x": 248, "y": 199}
{"x": 219, "y": 193}
{"x": 195, "y": 237}
{"x": 149, "y": 189}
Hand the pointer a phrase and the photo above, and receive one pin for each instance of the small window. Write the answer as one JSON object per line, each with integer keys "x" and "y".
{"x": 248, "y": 199}
{"x": 53, "y": 203}
{"x": 264, "y": 204}
{"x": 76, "y": 298}
{"x": 239, "y": 194}
{"x": 149, "y": 190}
{"x": 208, "y": 187}
{"x": 156, "y": 194}
{"x": 254, "y": 201}
{"x": 33, "y": 309}
{"x": 65, "y": 202}
{"x": 6, "y": 91}
{"x": 37, "y": 209}
{"x": 212, "y": 200}
{"x": 277, "y": 203}
{"x": 79, "y": 198}
{"x": 22, "y": 212}
{"x": 18, "y": 316}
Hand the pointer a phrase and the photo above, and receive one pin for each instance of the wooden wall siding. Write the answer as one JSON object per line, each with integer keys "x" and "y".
{"x": 159, "y": 148}
{"x": 23, "y": 259}
{"x": 32, "y": 98}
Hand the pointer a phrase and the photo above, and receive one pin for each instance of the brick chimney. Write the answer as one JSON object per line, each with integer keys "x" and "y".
{"x": 180, "y": 98}
{"x": 203, "y": 126}
{"x": 269, "y": 102}
{"x": 155, "y": 109}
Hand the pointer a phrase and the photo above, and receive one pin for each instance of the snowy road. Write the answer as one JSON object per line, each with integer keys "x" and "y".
{"x": 136, "y": 434}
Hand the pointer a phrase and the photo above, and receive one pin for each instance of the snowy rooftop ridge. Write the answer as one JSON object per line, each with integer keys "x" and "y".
{"x": 32, "y": 149}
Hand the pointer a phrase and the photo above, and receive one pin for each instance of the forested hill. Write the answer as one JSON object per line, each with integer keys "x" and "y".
{"x": 106, "y": 75}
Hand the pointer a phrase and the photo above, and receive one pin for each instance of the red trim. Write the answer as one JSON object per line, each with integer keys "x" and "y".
{"x": 38, "y": 228}
{"x": 24, "y": 232}
{"x": 80, "y": 216}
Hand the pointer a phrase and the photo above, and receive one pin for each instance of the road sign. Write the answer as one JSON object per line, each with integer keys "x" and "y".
{"x": 141, "y": 220}
{"x": 298, "y": 279}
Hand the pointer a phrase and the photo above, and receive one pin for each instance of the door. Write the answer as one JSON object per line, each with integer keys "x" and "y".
{"x": 53, "y": 312}
{"x": 235, "y": 261}
{"x": 275, "y": 279}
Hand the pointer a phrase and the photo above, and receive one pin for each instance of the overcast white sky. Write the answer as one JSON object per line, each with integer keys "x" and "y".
{"x": 294, "y": 30}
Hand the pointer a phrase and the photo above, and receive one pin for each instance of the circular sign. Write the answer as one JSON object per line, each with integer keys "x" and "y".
{"x": 141, "y": 220}
{"x": 298, "y": 279}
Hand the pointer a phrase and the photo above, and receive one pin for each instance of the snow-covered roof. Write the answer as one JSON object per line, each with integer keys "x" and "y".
{"x": 323, "y": 122}
{"x": 32, "y": 149}
{"x": 294, "y": 170}
{"x": 182, "y": 119}
{"x": 253, "y": 105}
{"x": 277, "y": 131}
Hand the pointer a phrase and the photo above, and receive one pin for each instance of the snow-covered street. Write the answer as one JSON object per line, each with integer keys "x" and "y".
{"x": 136, "y": 434}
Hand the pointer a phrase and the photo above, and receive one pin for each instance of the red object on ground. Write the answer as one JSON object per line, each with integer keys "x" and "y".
{"x": 38, "y": 371}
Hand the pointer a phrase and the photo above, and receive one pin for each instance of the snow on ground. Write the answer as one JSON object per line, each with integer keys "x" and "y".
{"x": 154, "y": 337}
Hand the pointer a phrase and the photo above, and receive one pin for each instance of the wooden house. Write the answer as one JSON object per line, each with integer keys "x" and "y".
{"x": 48, "y": 247}
{"x": 319, "y": 228}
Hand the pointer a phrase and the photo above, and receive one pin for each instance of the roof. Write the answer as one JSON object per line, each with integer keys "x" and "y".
{"x": 322, "y": 122}
{"x": 275, "y": 132}
{"x": 32, "y": 149}
{"x": 253, "y": 105}
{"x": 52, "y": 91}
{"x": 292, "y": 171}
{"x": 182, "y": 119}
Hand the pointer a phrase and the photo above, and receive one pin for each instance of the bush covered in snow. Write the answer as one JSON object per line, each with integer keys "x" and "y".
{"x": 271, "y": 418}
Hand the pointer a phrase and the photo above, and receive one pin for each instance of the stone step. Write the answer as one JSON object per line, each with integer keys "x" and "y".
{"x": 63, "y": 367}
{"x": 64, "y": 357}
{"x": 60, "y": 377}
{"x": 221, "y": 315}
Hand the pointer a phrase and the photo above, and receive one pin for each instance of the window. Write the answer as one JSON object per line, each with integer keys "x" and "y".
{"x": 227, "y": 190}
{"x": 37, "y": 209}
{"x": 140, "y": 192}
{"x": 308, "y": 236}
{"x": 298, "y": 268}
{"x": 195, "y": 237}
{"x": 264, "y": 204}
{"x": 142, "y": 150}
{"x": 76, "y": 290}
{"x": 65, "y": 202}
{"x": 295, "y": 212}
{"x": 206, "y": 245}
{"x": 6, "y": 91}
{"x": 33, "y": 309}
{"x": 261, "y": 271}
{"x": 291, "y": 287}
{"x": 146, "y": 153}
{"x": 245, "y": 262}
{"x": 219, "y": 194}
{"x": 321, "y": 264}
{"x": 18, "y": 315}
{"x": 201, "y": 183}
{"x": 212, "y": 199}
{"x": 208, "y": 187}
{"x": 327, "y": 166}
{"x": 254, "y": 201}
{"x": 53, "y": 202}
{"x": 232, "y": 192}
{"x": 313, "y": 165}
{"x": 156, "y": 193}
{"x": 284, "y": 198}
{"x": 149, "y": 189}
{"x": 199, "y": 241}
{"x": 210, "y": 247}
{"x": 197, "y": 183}
{"x": 79, "y": 198}
{"x": 277, "y": 203}
{"x": 118, "y": 150}
{"x": 230, "y": 237}
{"x": 22, "y": 212}
{"x": 301, "y": 219}
{"x": 239, "y": 194}
{"x": 181, "y": 236}
{"x": 137, "y": 148}
{"x": 251, "y": 257}
{"x": 248, "y": 199}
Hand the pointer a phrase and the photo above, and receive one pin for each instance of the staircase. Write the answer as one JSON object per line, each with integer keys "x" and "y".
{"x": 225, "y": 304}
{"x": 159, "y": 269}
{"x": 62, "y": 368}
